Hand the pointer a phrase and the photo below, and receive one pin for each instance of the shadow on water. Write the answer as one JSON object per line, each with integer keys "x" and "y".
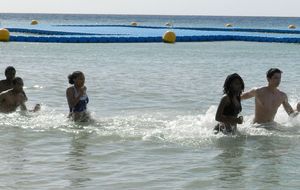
{"x": 15, "y": 156}
{"x": 267, "y": 154}
{"x": 77, "y": 161}
{"x": 257, "y": 157}
{"x": 229, "y": 162}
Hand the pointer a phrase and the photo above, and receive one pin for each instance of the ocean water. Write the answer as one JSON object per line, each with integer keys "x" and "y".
{"x": 153, "y": 106}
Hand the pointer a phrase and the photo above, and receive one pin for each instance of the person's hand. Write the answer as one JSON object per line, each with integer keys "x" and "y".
{"x": 240, "y": 120}
{"x": 37, "y": 107}
{"x": 81, "y": 91}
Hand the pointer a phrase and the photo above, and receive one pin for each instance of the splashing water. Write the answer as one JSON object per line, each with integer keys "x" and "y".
{"x": 190, "y": 130}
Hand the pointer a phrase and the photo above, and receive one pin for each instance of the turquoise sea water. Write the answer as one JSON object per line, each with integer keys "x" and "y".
{"x": 154, "y": 107}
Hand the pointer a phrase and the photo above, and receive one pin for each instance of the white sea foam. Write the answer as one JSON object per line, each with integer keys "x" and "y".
{"x": 182, "y": 129}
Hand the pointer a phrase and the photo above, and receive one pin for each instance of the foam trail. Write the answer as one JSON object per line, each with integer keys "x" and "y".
{"x": 190, "y": 130}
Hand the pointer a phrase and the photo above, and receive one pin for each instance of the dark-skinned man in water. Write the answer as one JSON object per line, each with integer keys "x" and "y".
{"x": 14, "y": 98}
{"x": 269, "y": 98}
{"x": 6, "y": 84}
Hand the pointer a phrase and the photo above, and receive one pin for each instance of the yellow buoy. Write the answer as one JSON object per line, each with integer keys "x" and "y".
{"x": 292, "y": 26}
{"x": 133, "y": 24}
{"x": 169, "y": 37}
{"x": 228, "y": 25}
{"x": 34, "y": 22}
{"x": 4, "y": 35}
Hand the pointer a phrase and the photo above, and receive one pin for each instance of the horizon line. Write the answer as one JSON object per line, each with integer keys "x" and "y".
{"x": 121, "y": 14}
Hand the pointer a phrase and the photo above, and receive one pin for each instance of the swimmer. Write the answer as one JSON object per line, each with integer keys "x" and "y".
{"x": 77, "y": 97}
{"x": 230, "y": 105}
{"x": 269, "y": 98}
{"x": 13, "y": 98}
{"x": 10, "y": 74}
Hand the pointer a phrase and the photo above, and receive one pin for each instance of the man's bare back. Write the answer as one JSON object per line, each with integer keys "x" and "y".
{"x": 5, "y": 85}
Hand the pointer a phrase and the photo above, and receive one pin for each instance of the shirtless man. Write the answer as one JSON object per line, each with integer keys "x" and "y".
{"x": 10, "y": 73}
{"x": 269, "y": 98}
{"x": 13, "y": 98}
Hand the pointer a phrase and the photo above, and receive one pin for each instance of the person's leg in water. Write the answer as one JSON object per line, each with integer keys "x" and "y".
{"x": 221, "y": 127}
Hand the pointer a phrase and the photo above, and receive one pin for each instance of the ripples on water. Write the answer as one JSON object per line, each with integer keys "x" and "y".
{"x": 45, "y": 150}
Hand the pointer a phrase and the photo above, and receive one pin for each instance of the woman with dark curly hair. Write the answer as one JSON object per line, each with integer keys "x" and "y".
{"x": 77, "y": 97}
{"x": 230, "y": 105}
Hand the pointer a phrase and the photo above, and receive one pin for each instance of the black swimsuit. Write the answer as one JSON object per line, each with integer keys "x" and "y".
{"x": 229, "y": 110}
{"x": 232, "y": 110}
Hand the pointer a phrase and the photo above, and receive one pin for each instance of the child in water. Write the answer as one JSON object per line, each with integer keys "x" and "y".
{"x": 230, "y": 105}
{"x": 77, "y": 97}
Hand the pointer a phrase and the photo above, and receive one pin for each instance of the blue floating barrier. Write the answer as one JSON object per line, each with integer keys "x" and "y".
{"x": 81, "y": 40}
{"x": 142, "y": 39}
{"x": 127, "y": 33}
{"x": 104, "y": 39}
{"x": 158, "y": 39}
{"x": 70, "y": 40}
{"x": 62, "y": 40}
{"x": 29, "y": 39}
{"x": 43, "y": 39}
{"x": 194, "y": 38}
{"x": 92, "y": 40}
{"x": 20, "y": 39}
{"x": 183, "y": 39}
{"x": 120, "y": 39}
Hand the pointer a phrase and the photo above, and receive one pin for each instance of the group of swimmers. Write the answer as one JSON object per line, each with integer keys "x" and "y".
{"x": 12, "y": 95}
{"x": 267, "y": 99}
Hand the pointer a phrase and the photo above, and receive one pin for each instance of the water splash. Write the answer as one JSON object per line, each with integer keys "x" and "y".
{"x": 191, "y": 130}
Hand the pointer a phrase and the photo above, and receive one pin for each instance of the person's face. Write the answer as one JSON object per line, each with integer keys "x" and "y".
{"x": 275, "y": 80}
{"x": 236, "y": 85}
{"x": 10, "y": 75}
{"x": 79, "y": 81}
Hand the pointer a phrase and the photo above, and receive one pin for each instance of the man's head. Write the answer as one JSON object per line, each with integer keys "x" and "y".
{"x": 274, "y": 77}
{"x": 18, "y": 84}
{"x": 10, "y": 73}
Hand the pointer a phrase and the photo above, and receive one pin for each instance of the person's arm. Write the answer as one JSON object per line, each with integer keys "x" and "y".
{"x": 288, "y": 108}
{"x": 23, "y": 106}
{"x": 24, "y": 94}
{"x": 72, "y": 100}
{"x": 249, "y": 94}
{"x": 2, "y": 98}
{"x": 222, "y": 118}
{"x": 23, "y": 99}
